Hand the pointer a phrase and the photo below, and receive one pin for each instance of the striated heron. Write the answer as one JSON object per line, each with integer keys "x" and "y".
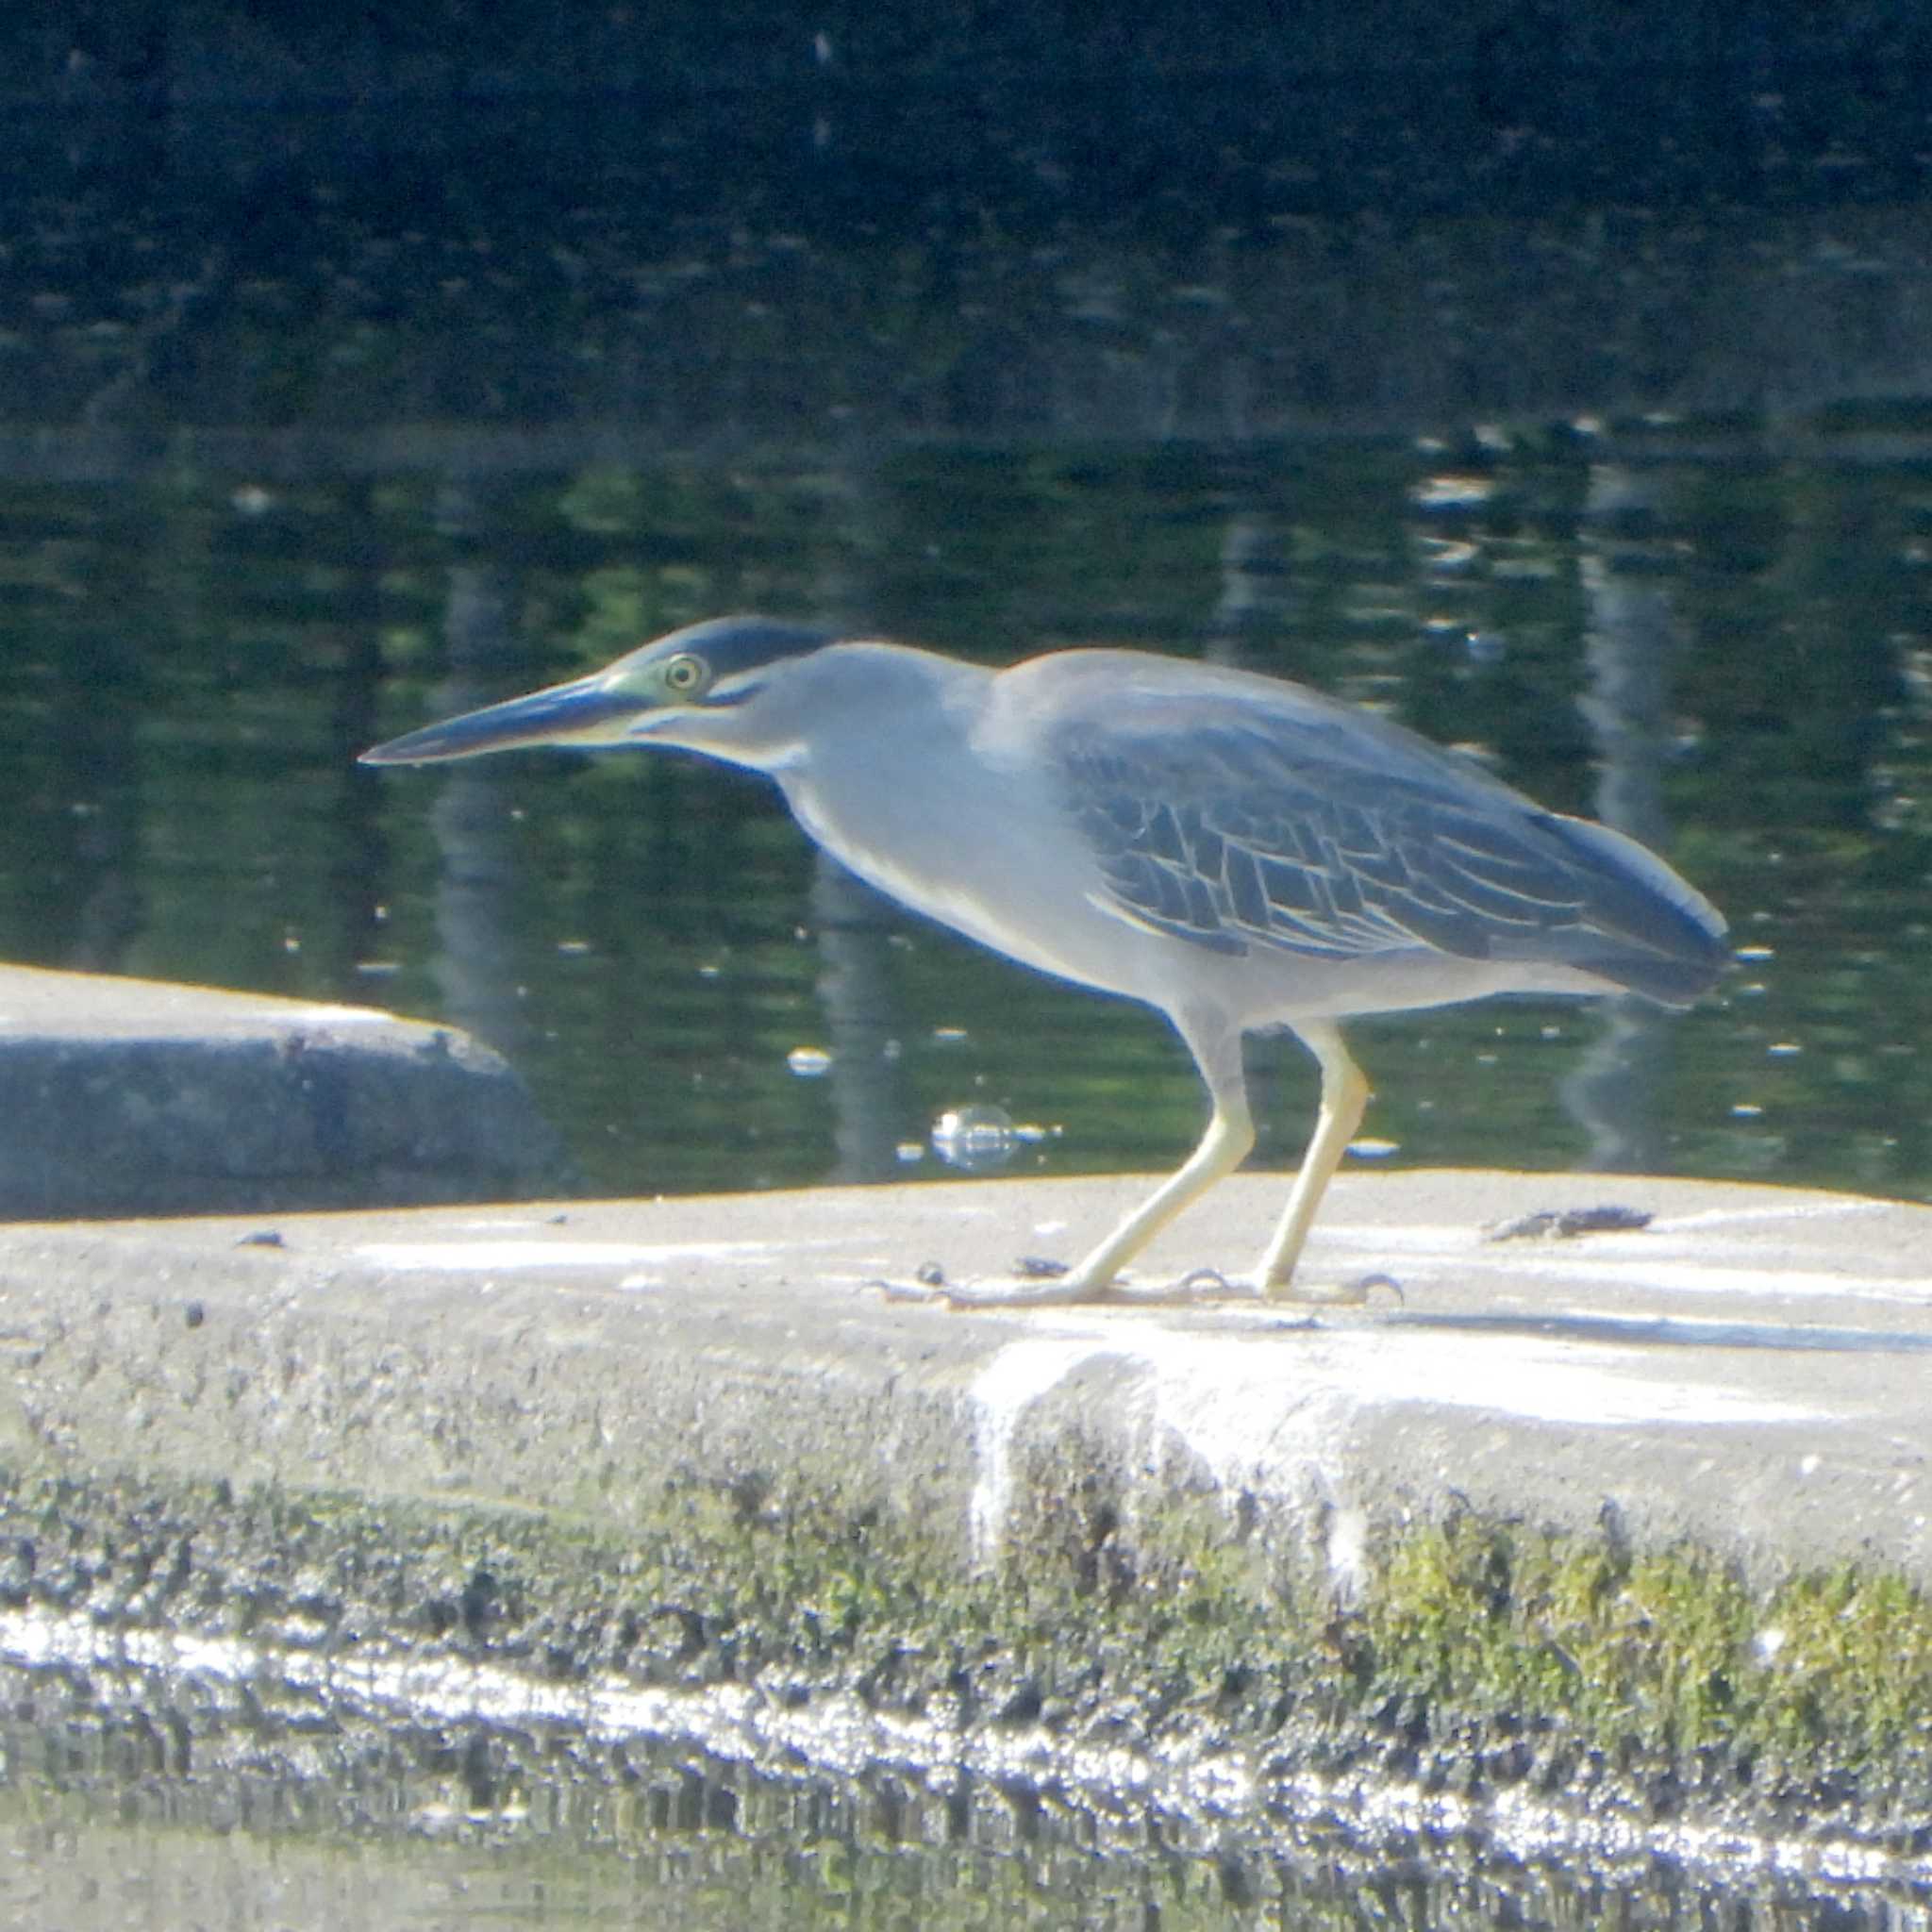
{"x": 1236, "y": 850}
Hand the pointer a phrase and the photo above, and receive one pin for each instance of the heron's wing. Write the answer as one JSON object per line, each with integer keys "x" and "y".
{"x": 1337, "y": 836}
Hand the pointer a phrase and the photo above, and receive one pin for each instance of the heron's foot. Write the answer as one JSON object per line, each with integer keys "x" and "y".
{"x": 1039, "y": 1283}
{"x": 1033, "y": 1284}
{"x": 1210, "y": 1284}
{"x": 1359, "y": 1292}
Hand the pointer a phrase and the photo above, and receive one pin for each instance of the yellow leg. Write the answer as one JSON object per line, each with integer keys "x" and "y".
{"x": 1345, "y": 1096}
{"x": 1224, "y": 1147}
{"x": 1217, "y": 1050}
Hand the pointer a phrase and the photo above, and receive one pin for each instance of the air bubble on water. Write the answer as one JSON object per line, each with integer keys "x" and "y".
{"x": 975, "y": 1138}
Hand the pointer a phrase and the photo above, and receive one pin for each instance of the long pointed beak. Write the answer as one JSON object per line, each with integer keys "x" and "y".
{"x": 585, "y": 711}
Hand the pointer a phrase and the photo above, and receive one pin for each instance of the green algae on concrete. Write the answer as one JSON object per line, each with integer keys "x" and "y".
{"x": 1481, "y": 1656}
{"x": 1536, "y": 1651}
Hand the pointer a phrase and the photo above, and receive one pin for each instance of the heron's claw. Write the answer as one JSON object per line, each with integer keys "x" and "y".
{"x": 1032, "y": 1285}
{"x": 1205, "y": 1284}
{"x": 1037, "y": 1284}
{"x": 1359, "y": 1293}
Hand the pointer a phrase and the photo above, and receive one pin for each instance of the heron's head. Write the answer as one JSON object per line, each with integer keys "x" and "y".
{"x": 712, "y": 687}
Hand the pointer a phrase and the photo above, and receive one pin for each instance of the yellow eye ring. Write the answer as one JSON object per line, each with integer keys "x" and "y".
{"x": 685, "y": 674}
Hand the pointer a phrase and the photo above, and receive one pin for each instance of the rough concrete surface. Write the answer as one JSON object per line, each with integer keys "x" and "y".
{"x": 1751, "y": 1369}
{"x": 1532, "y": 1523}
{"x": 134, "y": 1096}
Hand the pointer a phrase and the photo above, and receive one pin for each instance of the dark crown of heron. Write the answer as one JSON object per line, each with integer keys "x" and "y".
{"x": 731, "y": 646}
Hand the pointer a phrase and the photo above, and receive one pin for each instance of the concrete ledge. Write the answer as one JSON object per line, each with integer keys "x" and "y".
{"x": 132, "y": 1096}
{"x": 1636, "y": 1519}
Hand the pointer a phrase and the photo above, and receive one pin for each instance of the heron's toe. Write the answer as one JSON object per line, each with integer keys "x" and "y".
{"x": 1359, "y": 1292}
{"x": 1027, "y": 1289}
{"x": 1032, "y": 1285}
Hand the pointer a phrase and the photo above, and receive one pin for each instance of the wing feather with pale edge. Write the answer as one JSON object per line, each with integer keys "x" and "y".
{"x": 1333, "y": 836}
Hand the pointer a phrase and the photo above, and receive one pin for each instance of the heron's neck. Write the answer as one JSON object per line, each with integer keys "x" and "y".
{"x": 888, "y": 768}
{"x": 881, "y": 715}
{"x": 917, "y": 790}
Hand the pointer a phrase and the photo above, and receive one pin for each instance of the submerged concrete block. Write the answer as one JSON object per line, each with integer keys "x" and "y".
{"x": 132, "y": 1096}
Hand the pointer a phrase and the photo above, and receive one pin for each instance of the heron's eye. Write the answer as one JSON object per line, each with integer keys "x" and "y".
{"x": 686, "y": 675}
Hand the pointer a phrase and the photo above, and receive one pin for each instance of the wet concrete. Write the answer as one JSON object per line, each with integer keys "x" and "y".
{"x": 135, "y": 1096}
{"x": 690, "y": 1445}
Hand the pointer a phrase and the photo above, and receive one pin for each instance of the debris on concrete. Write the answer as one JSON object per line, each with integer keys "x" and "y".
{"x": 1566, "y": 1224}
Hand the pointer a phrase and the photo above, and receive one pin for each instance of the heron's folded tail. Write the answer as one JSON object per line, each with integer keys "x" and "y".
{"x": 1653, "y": 933}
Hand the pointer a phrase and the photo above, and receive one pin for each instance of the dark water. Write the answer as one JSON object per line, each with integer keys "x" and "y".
{"x": 1583, "y": 421}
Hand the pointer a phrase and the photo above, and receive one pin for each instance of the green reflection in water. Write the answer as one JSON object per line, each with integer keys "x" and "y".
{"x": 188, "y": 667}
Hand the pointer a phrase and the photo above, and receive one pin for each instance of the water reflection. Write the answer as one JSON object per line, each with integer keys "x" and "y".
{"x": 473, "y": 962}
{"x": 980, "y": 1140}
{"x": 1629, "y": 642}
{"x": 312, "y": 426}
{"x": 196, "y": 1803}
{"x": 1719, "y": 645}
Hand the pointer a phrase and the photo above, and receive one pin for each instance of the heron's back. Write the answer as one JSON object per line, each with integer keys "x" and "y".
{"x": 1260, "y": 822}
